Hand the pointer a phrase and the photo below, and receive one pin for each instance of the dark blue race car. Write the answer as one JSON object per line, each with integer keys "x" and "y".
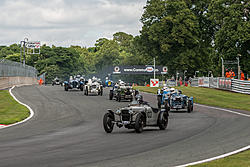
{"x": 174, "y": 99}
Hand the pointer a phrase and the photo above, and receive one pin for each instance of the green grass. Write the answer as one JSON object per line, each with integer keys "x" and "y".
{"x": 10, "y": 110}
{"x": 211, "y": 97}
{"x": 238, "y": 160}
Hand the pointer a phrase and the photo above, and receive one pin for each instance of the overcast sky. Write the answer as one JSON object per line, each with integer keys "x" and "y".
{"x": 68, "y": 22}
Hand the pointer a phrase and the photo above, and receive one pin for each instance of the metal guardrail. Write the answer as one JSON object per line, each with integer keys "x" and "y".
{"x": 234, "y": 85}
{"x": 241, "y": 86}
{"x": 14, "y": 69}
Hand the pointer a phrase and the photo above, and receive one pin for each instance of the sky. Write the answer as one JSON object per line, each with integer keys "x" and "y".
{"x": 68, "y": 22}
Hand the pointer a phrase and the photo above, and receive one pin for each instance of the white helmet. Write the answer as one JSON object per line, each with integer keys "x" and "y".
{"x": 172, "y": 89}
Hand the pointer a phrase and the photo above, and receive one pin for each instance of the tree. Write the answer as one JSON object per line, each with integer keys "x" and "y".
{"x": 231, "y": 19}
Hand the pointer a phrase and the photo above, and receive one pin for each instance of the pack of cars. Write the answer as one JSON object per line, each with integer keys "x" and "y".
{"x": 138, "y": 114}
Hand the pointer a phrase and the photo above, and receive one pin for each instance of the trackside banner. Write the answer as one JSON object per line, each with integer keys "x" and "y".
{"x": 148, "y": 70}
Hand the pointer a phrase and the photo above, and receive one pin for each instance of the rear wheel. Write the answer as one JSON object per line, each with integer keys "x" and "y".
{"x": 101, "y": 92}
{"x": 86, "y": 92}
{"x": 81, "y": 87}
{"x": 159, "y": 97}
{"x": 66, "y": 88}
{"x": 189, "y": 107}
{"x": 163, "y": 120}
{"x": 108, "y": 122}
{"x": 110, "y": 95}
{"x": 139, "y": 123}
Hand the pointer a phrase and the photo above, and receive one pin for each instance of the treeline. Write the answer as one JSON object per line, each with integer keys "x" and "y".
{"x": 181, "y": 34}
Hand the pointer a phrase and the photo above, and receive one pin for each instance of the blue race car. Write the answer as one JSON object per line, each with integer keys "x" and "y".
{"x": 76, "y": 82}
{"x": 174, "y": 99}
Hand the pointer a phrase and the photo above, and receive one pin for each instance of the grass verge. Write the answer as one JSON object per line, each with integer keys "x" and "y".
{"x": 10, "y": 110}
{"x": 211, "y": 97}
{"x": 241, "y": 159}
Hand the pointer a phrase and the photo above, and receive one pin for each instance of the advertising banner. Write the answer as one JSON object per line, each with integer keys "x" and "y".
{"x": 139, "y": 69}
{"x": 203, "y": 82}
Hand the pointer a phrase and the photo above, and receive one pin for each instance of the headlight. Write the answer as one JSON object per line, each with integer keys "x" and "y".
{"x": 118, "y": 112}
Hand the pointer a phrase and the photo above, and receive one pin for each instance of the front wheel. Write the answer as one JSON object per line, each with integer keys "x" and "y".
{"x": 66, "y": 88}
{"x": 86, "y": 92}
{"x": 163, "y": 120}
{"x": 108, "y": 123}
{"x": 139, "y": 123}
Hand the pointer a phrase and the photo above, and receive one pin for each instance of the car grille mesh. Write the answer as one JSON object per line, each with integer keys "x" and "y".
{"x": 125, "y": 115}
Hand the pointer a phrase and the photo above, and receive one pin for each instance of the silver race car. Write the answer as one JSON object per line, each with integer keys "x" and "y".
{"x": 136, "y": 116}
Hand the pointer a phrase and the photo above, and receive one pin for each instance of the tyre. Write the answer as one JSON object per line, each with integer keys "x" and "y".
{"x": 110, "y": 95}
{"x": 167, "y": 108}
{"x": 101, "y": 92}
{"x": 119, "y": 97}
{"x": 139, "y": 123}
{"x": 189, "y": 107}
{"x": 81, "y": 87}
{"x": 108, "y": 122}
{"x": 159, "y": 101}
{"x": 163, "y": 120}
{"x": 66, "y": 88}
{"x": 86, "y": 93}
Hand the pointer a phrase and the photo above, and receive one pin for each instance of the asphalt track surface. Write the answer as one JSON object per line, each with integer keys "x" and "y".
{"x": 67, "y": 130}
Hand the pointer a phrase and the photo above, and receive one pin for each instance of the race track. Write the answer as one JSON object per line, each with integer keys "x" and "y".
{"x": 67, "y": 130}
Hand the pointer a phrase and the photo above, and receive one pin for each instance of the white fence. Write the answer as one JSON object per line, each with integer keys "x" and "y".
{"x": 234, "y": 85}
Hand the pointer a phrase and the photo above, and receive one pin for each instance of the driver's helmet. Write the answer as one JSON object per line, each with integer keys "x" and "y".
{"x": 139, "y": 98}
{"x": 172, "y": 90}
{"x": 122, "y": 83}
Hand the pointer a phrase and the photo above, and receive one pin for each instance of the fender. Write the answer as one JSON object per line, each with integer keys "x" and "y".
{"x": 111, "y": 112}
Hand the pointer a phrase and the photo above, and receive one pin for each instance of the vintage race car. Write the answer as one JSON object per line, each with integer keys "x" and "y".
{"x": 120, "y": 92}
{"x": 93, "y": 86}
{"x": 56, "y": 81}
{"x": 180, "y": 101}
{"x": 136, "y": 116}
{"x": 174, "y": 99}
{"x": 74, "y": 83}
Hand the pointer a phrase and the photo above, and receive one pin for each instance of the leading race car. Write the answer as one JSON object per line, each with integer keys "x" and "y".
{"x": 93, "y": 86}
{"x": 74, "y": 83}
{"x": 136, "y": 116}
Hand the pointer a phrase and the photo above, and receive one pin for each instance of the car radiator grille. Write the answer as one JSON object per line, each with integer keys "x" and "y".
{"x": 74, "y": 84}
{"x": 125, "y": 115}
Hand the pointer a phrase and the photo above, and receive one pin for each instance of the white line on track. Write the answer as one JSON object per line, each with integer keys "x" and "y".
{"x": 30, "y": 116}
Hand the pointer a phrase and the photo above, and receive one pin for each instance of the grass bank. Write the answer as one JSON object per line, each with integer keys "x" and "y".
{"x": 211, "y": 97}
{"x": 241, "y": 160}
{"x": 10, "y": 110}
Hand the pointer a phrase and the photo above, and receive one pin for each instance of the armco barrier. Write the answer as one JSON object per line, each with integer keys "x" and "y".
{"x": 234, "y": 85}
{"x": 7, "y": 82}
{"x": 241, "y": 86}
